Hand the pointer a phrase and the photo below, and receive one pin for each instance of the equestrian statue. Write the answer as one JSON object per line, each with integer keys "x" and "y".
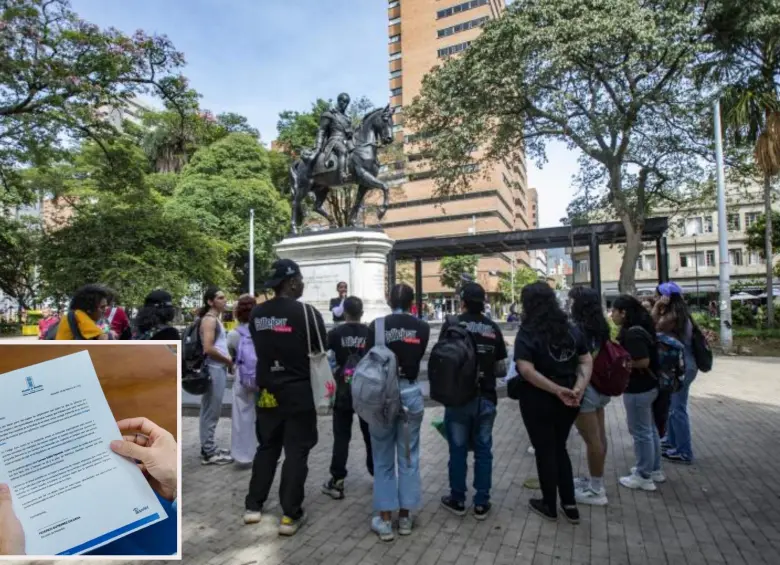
{"x": 342, "y": 155}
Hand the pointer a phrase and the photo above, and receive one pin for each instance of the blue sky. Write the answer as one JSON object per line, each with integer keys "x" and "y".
{"x": 259, "y": 57}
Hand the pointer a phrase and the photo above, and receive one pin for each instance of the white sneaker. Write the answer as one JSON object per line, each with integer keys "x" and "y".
{"x": 581, "y": 483}
{"x": 531, "y": 450}
{"x": 656, "y": 476}
{"x": 252, "y": 517}
{"x": 591, "y": 496}
{"x": 383, "y": 529}
{"x": 634, "y": 481}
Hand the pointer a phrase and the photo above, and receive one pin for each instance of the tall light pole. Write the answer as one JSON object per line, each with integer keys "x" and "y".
{"x": 723, "y": 240}
{"x": 696, "y": 263}
{"x": 252, "y": 252}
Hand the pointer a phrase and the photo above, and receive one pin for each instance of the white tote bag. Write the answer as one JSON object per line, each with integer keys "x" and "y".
{"x": 323, "y": 385}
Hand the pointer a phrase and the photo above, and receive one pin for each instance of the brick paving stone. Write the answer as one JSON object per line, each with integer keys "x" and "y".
{"x": 725, "y": 508}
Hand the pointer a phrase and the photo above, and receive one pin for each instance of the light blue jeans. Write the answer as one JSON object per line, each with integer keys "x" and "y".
{"x": 678, "y": 428}
{"x": 471, "y": 424}
{"x": 391, "y": 491}
{"x": 641, "y": 426}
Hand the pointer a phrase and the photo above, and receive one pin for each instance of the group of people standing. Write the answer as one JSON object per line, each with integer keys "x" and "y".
{"x": 550, "y": 376}
{"x": 93, "y": 314}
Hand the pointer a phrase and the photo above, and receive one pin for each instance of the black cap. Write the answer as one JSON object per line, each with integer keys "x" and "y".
{"x": 472, "y": 292}
{"x": 282, "y": 270}
{"x": 159, "y": 298}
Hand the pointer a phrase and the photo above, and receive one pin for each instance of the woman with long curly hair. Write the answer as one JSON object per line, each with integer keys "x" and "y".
{"x": 637, "y": 336}
{"x": 588, "y": 315}
{"x": 554, "y": 366}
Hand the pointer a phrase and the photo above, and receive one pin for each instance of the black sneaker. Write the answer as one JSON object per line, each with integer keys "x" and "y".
{"x": 481, "y": 511}
{"x": 571, "y": 513}
{"x": 537, "y": 505}
{"x": 457, "y": 508}
{"x": 334, "y": 488}
{"x": 674, "y": 457}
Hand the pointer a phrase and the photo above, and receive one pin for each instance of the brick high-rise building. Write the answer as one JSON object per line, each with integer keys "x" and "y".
{"x": 423, "y": 34}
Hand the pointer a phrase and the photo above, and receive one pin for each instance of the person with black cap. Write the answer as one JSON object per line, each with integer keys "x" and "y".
{"x": 286, "y": 415}
{"x": 153, "y": 320}
{"x": 473, "y": 422}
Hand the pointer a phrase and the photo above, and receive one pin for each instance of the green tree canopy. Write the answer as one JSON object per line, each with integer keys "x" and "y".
{"x": 58, "y": 74}
{"x": 523, "y": 277}
{"x": 19, "y": 244}
{"x": 120, "y": 234}
{"x": 453, "y": 268}
{"x": 217, "y": 189}
{"x": 757, "y": 234}
{"x": 611, "y": 79}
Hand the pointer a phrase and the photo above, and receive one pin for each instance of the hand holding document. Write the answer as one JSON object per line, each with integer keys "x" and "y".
{"x": 70, "y": 491}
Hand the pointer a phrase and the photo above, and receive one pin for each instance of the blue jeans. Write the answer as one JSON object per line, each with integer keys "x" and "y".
{"x": 392, "y": 492}
{"x": 678, "y": 429}
{"x": 641, "y": 426}
{"x": 473, "y": 421}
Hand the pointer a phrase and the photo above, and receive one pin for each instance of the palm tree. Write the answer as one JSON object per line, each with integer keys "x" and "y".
{"x": 746, "y": 36}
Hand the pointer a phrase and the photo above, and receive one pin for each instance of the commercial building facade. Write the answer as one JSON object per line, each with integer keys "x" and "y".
{"x": 423, "y": 34}
{"x": 693, "y": 254}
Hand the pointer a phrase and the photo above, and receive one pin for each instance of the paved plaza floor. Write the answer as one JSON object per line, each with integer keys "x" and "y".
{"x": 723, "y": 509}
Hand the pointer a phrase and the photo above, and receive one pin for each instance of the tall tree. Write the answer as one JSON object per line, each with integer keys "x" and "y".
{"x": 217, "y": 189}
{"x": 747, "y": 59}
{"x": 523, "y": 277}
{"x": 56, "y": 70}
{"x": 19, "y": 246}
{"x": 118, "y": 232}
{"x": 452, "y": 269}
{"x": 609, "y": 78}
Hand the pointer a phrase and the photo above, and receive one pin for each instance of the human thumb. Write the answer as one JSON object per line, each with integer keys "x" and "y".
{"x": 128, "y": 449}
{"x": 5, "y": 495}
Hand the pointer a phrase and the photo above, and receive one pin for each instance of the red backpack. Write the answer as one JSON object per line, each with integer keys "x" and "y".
{"x": 611, "y": 369}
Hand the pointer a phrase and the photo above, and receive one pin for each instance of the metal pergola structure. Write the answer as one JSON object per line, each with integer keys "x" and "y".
{"x": 590, "y": 236}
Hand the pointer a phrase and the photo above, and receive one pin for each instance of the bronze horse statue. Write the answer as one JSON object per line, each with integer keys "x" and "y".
{"x": 320, "y": 176}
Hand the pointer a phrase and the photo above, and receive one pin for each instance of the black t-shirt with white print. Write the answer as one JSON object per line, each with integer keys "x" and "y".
{"x": 347, "y": 340}
{"x": 407, "y": 337}
{"x": 490, "y": 349}
{"x": 278, "y": 329}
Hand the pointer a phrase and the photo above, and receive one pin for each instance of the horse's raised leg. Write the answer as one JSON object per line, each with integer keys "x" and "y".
{"x": 367, "y": 181}
{"x": 321, "y": 193}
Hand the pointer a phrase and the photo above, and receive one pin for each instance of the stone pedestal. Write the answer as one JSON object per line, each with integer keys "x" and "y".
{"x": 355, "y": 256}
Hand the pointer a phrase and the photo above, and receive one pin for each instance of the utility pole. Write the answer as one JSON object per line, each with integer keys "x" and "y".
{"x": 252, "y": 252}
{"x": 723, "y": 240}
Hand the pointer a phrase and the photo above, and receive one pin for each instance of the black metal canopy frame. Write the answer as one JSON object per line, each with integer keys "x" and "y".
{"x": 590, "y": 236}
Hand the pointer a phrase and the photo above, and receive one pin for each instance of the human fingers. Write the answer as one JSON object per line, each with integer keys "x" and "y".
{"x": 139, "y": 424}
{"x": 130, "y": 450}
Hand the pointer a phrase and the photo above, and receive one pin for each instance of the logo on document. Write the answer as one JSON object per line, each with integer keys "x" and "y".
{"x": 31, "y": 387}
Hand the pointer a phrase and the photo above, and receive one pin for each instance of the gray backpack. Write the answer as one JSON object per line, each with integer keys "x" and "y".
{"x": 376, "y": 395}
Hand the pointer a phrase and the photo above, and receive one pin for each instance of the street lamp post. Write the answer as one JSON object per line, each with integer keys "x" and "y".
{"x": 696, "y": 263}
{"x": 723, "y": 240}
{"x": 252, "y": 252}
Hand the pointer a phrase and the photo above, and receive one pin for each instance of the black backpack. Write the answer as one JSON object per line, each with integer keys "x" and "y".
{"x": 453, "y": 372}
{"x": 195, "y": 377}
{"x": 701, "y": 350}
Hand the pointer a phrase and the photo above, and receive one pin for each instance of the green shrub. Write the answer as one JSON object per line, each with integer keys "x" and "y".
{"x": 742, "y": 315}
{"x": 7, "y": 328}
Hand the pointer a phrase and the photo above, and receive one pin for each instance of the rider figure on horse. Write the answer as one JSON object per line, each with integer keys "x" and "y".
{"x": 335, "y": 136}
